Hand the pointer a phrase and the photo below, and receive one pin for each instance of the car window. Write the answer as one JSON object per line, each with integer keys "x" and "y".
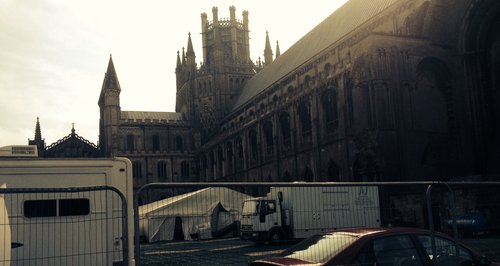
{"x": 395, "y": 251}
{"x": 445, "y": 251}
{"x": 320, "y": 248}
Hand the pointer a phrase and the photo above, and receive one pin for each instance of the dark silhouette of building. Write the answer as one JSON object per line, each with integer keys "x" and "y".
{"x": 71, "y": 146}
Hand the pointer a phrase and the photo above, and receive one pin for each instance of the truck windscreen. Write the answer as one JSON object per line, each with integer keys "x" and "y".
{"x": 250, "y": 207}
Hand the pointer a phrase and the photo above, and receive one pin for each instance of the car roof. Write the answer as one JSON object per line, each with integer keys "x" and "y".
{"x": 365, "y": 231}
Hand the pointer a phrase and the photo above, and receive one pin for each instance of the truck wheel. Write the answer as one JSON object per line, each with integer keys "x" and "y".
{"x": 275, "y": 238}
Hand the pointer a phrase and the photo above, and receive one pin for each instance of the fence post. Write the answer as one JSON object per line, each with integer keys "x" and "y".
{"x": 453, "y": 218}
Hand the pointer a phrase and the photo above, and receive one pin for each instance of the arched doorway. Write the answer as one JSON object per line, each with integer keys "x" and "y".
{"x": 333, "y": 172}
{"x": 434, "y": 116}
{"x": 480, "y": 45}
{"x": 287, "y": 177}
{"x": 308, "y": 175}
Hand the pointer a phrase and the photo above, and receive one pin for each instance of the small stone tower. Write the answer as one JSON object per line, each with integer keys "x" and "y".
{"x": 109, "y": 106}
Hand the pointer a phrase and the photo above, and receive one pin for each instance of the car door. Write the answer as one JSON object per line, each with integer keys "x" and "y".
{"x": 393, "y": 250}
{"x": 445, "y": 251}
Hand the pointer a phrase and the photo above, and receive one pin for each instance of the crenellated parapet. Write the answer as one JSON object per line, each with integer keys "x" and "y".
{"x": 226, "y": 22}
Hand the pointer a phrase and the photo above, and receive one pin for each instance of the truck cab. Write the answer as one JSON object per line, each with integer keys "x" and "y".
{"x": 261, "y": 220}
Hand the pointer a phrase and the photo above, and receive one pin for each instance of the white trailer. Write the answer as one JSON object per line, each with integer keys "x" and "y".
{"x": 299, "y": 212}
{"x": 83, "y": 228}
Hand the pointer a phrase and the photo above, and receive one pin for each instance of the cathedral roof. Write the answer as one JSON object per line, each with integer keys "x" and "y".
{"x": 334, "y": 28}
{"x": 152, "y": 117}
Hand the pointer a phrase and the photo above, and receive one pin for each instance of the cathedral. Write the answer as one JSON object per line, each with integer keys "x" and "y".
{"x": 381, "y": 90}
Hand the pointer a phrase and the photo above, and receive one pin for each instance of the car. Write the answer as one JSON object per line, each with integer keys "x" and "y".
{"x": 384, "y": 246}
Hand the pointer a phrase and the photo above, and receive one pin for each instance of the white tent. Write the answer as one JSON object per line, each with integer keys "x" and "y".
{"x": 210, "y": 209}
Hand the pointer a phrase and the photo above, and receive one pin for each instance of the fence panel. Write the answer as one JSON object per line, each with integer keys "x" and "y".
{"x": 200, "y": 223}
{"x": 63, "y": 226}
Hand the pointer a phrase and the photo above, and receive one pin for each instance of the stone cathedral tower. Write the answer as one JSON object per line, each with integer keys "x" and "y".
{"x": 206, "y": 93}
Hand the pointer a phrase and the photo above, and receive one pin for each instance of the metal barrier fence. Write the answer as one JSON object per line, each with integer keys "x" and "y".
{"x": 208, "y": 224}
{"x": 63, "y": 226}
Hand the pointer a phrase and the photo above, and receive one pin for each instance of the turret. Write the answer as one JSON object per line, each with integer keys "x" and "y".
{"x": 183, "y": 57}
{"x": 178, "y": 72}
{"x": 38, "y": 131}
{"x": 246, "y": 37}
{"x": 234, "y": 33}
{"x": 204, "y": 25}
{"x": 278, "y": 53}
{"x": 218, "y": 52}
{"x": 109, "y": 105}
{"x": 268, "y": 52}
{"x": 215, "y": 15}
{"x": 232, "y": 14}
{"x": 38, "y": 141}
{"x": 190, "y": 56}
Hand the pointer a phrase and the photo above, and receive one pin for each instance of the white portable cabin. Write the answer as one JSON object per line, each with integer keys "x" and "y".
{"x": 68, "y": 228}
{"x": 311, "y": 210}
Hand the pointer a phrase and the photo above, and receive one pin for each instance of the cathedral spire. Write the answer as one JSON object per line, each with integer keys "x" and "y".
{"x": 38, "y": 141}
{"x": 190, "y": 50}
{"x": 111, "y": 79}
{"x": 190, "y": 56}
{"x": 110, "y": 83}
{"x": 183, "y": 56}
{"x": 278, "y": 53}
{"x": 179, "y": 64}
{"x": 38, "y": 131}
{"x": 268, "y": 52}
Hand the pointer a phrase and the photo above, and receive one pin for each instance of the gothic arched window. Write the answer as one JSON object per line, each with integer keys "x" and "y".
{"x": 284, "y": 120}
{"x": 156, "y": 142}
{"x": 252, "y": 135}
{"x": 333, "y": 172}
{"x": 268, "y": 134}
{"x": 329, "y": 102}
{"x": 137, "y": 169}
{"x": 184, "y": 169}
{"x": 230, "y": 155}
{"x": 305, "y": 117}
{"x": 130, "y": 142}
{"x": 162, "y": 170}
{"x": 178, "y": 143}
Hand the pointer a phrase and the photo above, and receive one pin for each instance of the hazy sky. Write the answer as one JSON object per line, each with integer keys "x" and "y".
{"x": 53, "y": 54}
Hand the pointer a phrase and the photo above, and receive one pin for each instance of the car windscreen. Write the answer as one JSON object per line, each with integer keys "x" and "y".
{"x": 320, "y": 248}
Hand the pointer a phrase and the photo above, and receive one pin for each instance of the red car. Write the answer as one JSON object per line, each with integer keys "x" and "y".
{"x": 378, "y": 246}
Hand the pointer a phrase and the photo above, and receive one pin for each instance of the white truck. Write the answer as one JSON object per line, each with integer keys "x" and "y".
{"x": 299, "y": 212}
{"x": 68, "y": 228}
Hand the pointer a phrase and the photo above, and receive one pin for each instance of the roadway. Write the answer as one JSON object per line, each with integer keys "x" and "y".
{"x": 234, "y": 251}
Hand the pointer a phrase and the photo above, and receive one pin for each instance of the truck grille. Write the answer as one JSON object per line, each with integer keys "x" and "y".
{"x": 246, "y": 227}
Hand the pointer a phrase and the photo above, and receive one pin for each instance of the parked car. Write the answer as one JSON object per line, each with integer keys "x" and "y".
{"x": 392, "y": 246}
